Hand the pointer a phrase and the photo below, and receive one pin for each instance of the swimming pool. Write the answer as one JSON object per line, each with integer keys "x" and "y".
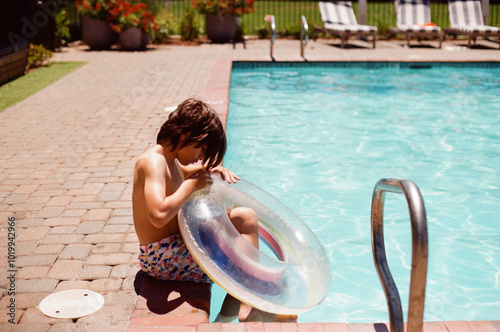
{"x": 319, "y": 136}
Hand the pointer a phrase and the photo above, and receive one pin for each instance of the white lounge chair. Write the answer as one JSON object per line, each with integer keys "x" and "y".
{"x": 466, "y": 18}
{"x": 414, "y": 20}
{"x": 339, "y": 20}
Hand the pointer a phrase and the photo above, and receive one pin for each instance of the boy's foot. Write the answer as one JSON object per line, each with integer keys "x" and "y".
{"x": 249, "y": 314}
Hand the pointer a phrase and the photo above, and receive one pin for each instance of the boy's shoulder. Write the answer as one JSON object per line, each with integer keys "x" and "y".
{"x": 150, "y": 158}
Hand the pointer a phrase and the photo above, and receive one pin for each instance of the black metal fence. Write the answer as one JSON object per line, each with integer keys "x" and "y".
{"x": 380, "y": 13}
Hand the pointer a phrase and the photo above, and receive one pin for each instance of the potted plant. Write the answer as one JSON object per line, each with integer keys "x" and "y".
{"x": 96, "y": 31}
{"x": 133, "y": 21}
{"x": 222, "y": 17}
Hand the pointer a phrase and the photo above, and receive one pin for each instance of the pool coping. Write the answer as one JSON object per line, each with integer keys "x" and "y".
{"x": 217, "y": 95}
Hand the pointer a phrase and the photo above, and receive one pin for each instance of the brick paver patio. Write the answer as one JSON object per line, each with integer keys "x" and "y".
{"x": 67, "y": 156}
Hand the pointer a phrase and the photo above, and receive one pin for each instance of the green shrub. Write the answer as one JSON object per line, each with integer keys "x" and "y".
{"x": 38, "y": 56}
{"x": 62, "y": 34}
{"x": 164, "y": 30}
{"x": 263, "y": 32}
{"x": 190, "y": 25}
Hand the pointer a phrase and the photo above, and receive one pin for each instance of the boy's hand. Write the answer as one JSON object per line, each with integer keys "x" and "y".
{"x": 226, "y": 174}
{"x": 201, "y": 179}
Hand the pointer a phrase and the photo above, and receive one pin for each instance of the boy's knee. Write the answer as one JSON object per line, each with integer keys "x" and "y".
{"x": 244, "y": 219}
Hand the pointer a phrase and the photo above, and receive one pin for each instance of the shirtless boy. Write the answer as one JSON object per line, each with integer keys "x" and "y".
{"x": 190, "y": 145}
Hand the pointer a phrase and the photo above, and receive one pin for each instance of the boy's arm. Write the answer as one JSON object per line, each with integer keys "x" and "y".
{"x": 160, "y": 207}
{"x": 225, "y": 173}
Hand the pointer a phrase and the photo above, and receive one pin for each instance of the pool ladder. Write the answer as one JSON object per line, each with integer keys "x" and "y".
{"x": 419, "y": 254}
{"x": 304, "y": 34}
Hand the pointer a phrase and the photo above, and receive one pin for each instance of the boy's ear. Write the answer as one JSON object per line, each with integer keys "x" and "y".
{"x": 183, "y": 139}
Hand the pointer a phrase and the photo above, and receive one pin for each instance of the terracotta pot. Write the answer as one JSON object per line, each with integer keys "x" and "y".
{"x": 97, "y": 34}
{"x": 131, "y": 39}
{"x": 221, "y": 29}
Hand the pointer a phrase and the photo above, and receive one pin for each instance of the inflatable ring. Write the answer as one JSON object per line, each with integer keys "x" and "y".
{"x": 293, "y": 277}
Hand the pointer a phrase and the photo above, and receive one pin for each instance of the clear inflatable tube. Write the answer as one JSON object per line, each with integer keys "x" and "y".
{"x": 293, "y": 279}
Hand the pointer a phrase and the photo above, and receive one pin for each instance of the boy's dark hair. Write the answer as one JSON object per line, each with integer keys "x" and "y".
{"x": 203, "y": 127}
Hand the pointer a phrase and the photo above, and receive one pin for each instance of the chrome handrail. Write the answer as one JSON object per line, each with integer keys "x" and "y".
{"x": 304, "y": 29}
{"x": 419, "y": 262}
{"x": 273, "y": 33}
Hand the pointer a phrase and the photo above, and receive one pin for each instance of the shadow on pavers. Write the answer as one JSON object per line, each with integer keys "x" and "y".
{"x": 165, "y": 296}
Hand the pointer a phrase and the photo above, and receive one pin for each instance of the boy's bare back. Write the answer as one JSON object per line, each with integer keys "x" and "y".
{"x": 152, "y": 169}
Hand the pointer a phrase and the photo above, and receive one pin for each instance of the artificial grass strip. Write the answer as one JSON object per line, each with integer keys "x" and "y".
{"x": 35, "y": 80}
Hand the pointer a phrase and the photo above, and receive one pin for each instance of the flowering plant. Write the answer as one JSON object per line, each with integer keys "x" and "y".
{"x": 224, "y": 7}
{"x": 128, "y": 14}
{"x": 120, "y": 14}
{"x": 97, "y": 9}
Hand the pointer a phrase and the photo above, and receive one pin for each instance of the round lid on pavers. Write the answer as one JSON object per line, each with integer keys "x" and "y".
{"x": 73, "y": 303}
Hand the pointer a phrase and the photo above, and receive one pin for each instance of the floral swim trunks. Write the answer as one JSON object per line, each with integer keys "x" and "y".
{"x": 169, "y": 259}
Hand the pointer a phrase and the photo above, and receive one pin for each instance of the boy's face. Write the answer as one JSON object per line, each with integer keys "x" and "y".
{"x": 190, "y": 154}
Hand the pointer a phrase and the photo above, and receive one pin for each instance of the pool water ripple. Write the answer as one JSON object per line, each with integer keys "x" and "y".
{"x": 320, "y": 137}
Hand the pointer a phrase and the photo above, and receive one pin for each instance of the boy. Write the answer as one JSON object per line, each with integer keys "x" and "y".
{"x": 164, "y": 177}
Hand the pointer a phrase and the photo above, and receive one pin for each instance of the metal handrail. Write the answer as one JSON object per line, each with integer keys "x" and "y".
{"x": 419, "y": 253}
{"x": 304, "y": 28}
{"x": 273, "y": 33}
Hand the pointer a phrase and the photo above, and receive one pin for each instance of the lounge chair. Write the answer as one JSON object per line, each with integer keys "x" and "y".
{"x": 466, "y": 18}
{"x": 339, "y": 20}
{"x": 414, "y": 20}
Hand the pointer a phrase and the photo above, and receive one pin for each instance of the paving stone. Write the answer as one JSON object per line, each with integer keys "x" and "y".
{"x": 63, "y": 239}
{"x": 64, "y": 269}
{"x": 131, "y": 247}
{"x": 69, "y": 327}
{"x": 33, "y": 234}
{"x": 62, "y": 230}
{"x": 84, "y": 205}
{"x": 17, "y": 199}
{"x": 28, "y": 300}
{"x": 33, "y": 315}
{"x": 109, "y": 196}
{"x": 104, "y": 238}
{"x": 59, "y": 201}
{"x": 90, "y": 227}
{"x": 35, "y": 260}
{"x": 62, "y": 222}
{"x": 108, "y": 259}
{"x": 105, "y": 285}
{"x": 125, "y": 270}
{"x": 116, "y": 326}
{"x": 29, "y": 222}
{"x": 98, "y": 214}
{"x": 33, "y": 272}
{"x": 74, "y": 213}
{"x": 26, "y": 189}
{"x": 107, "y": 248}
{"x": 48, "y": 249}
{"x": 78, "y": 251}
{"x": 94, "y": 272}
{"x": 50, "y": 212}
{"x": 26, "y": 248}
{"x": 36, "y": 285}
{"x": 126, "y": 220}
{"x": 73, "y": 184}
{"x": 72, "y": 284}
{"x": 116, "y": 229}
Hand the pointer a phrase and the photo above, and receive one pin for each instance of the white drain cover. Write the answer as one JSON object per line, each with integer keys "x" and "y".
{"x": 73, "y": 303}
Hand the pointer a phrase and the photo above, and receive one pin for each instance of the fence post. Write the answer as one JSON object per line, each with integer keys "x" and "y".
{"x": 362, "y": 11}
{"x": 485, "y": 4}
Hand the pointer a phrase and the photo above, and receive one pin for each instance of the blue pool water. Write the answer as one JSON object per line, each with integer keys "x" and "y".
{"x": 319, "y": 136}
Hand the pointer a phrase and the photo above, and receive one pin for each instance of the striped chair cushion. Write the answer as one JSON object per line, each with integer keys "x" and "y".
{"x": 339, "y": 12}
{"x": 350, "y": 27}
{"x": 465, "y": 13}
{"x": 481, "y": 29}
{"x": 413, "y": 14}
